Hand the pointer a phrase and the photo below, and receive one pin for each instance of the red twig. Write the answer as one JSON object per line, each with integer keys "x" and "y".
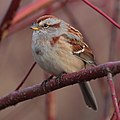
{"x": 31, "y": 8}
{"x": 25, "y": 78}
{"x": 114, "y": 117}
{"x": 6, "y": 22}
{"x": 50, "y": 102}
{"x": 22, "y": 23}
{"x": 112, "y": 48}
{"x": 112, "y": 54}
{"x": 102, "y": 13}
{"x": 53, "y": 84}
{"x": 51, "y": 106}
{"x": 112, "y": 89}
{"x": 26, "y": 15}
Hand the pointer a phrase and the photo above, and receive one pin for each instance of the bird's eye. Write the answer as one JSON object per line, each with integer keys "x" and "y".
{"x": 45, "y": 25}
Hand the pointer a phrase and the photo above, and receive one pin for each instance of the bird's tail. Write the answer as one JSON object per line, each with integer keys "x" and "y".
{"x": 88, "y": 95}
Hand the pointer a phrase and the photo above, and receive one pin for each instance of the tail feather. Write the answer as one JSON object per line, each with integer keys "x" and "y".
{"x": 88, "y": 95}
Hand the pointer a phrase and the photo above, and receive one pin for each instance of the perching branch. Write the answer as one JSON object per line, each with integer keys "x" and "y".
{"x": 53, "y": 84}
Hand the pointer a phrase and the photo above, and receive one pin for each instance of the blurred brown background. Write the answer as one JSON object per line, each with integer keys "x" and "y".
{"x": 16, "y": 59}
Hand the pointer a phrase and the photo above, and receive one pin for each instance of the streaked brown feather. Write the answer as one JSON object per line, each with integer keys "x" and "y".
{"x": 74, "y": 31}
{"x": 86, "y": 53}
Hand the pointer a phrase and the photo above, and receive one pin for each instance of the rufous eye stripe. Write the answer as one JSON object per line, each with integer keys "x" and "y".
{"x": 57, "y": 25}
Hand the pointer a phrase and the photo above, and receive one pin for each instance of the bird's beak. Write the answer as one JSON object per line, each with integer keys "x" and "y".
{"x": 34, "y": 27}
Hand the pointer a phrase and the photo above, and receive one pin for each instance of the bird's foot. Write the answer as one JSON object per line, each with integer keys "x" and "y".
{"x": 59, "y": 77}
{"x": 45, "y": 81}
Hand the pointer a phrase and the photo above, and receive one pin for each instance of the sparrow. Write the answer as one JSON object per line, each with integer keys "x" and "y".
{"x": 58, "y": 47}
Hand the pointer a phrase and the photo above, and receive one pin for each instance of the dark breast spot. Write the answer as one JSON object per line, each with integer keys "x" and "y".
{"x": 39, "y": 52}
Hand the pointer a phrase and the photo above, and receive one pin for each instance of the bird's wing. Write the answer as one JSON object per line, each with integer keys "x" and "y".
{"x": 79, "y": 47}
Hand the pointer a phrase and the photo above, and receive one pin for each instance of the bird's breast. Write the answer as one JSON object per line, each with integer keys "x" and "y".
{"x": 56, "y": 59}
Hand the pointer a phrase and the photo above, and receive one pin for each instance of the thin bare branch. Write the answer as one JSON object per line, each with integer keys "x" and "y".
{"x": 20, "y": 23}
{"x": 50, "y": 106}
{"x": 102, "y": 13}
{"x": 114, "y": 117}
{"x": 113, "y": 93}
{"x": 50, "y": 102}
{"x": 112, "y": 55}
{"x": 6, "y": 22}
{"x": 53, "y": 84}
{"x": 112, "y": 48}
{"x": 30, "y": 9}
{"x": 26, "y": 76}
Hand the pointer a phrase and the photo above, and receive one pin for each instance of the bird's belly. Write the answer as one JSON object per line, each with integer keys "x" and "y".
{"x": 57, "y": 61}
{"x": 49, "y": 63}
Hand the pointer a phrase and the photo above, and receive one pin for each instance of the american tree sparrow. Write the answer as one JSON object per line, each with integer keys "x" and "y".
{"x": 58, "y": 47}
